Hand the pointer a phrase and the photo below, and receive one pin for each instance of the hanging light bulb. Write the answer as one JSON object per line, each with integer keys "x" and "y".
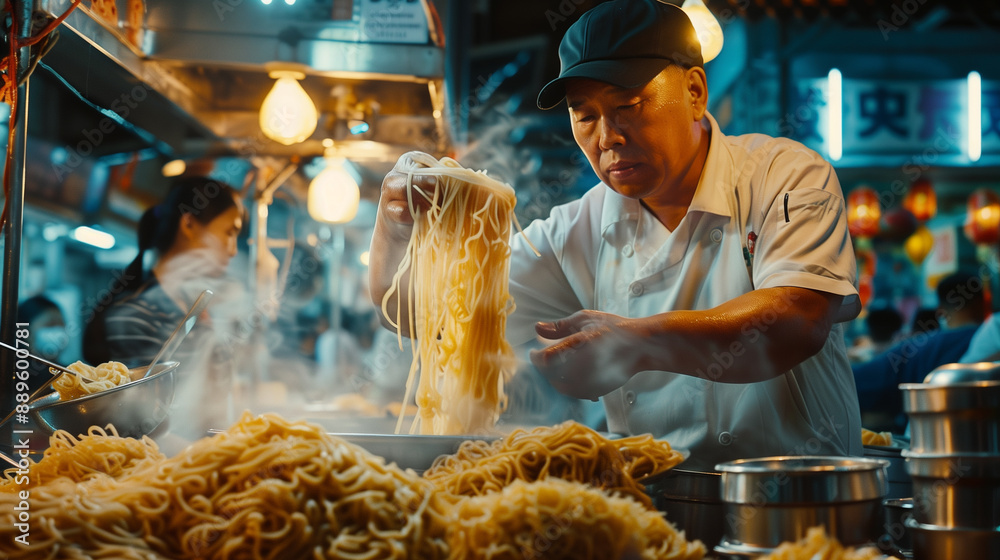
{"x": 334, "y": 195}
{"x": 706, "y": 26}
{"x": 288, "y": 115}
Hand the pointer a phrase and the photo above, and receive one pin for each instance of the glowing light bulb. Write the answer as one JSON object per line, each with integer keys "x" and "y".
{"x": 334, "y": 195}
{"x": 706, "y": 26}
{"x": 288, "y": 115}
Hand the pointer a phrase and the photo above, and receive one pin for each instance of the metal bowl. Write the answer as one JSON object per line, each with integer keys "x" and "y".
{"x": 135, "y": 409}
{"x": 956, "y": 491}
{"x": 962, "y": 373}
{"x": 777, "y": 499}
{"x": 417, "y": 452}
{"x": 692, "y": 500}
{"x": 941, "y": 543}
{"x": 955, "y": 418}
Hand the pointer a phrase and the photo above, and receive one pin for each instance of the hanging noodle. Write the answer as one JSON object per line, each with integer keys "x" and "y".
{"x": 458, "y": 259}
{"x": 103, "y": 377}
{"x": 570, "y": 451}
{"x": 266, "y": 488}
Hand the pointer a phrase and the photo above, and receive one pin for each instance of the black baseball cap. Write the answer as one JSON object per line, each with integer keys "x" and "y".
{"x": 625, "y": 43}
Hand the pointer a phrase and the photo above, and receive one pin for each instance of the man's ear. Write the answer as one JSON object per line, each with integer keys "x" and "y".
{"x": 697, "y": 87}
{"x": 186, "y": 226}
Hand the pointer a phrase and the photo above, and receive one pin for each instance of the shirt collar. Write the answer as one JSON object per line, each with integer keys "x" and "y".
{"x": 716, "y": 183}
{"x": 711, "y": 195}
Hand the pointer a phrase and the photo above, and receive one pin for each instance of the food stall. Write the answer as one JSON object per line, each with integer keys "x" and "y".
{"x": 304, "y": 107}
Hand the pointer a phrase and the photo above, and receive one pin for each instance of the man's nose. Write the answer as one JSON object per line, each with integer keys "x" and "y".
{"x": 611, "y": 133}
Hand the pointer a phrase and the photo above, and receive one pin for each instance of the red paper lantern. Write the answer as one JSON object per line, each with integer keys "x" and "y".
{"x": 863, "y": 212}
{"x": 921, "y": 200}
{"x": 982, "y": 218}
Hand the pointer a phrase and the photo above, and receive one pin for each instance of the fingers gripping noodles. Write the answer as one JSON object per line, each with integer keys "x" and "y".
{"x": 458, "y": 260}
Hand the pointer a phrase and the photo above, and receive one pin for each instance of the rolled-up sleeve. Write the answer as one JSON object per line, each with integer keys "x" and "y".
{"x": 803, "y": 239}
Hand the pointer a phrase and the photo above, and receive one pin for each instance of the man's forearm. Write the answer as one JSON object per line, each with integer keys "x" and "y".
{"x": 755, "y": 337}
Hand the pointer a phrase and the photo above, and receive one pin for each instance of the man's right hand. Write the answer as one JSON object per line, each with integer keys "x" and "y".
{"x": 394, "y": 202}
{"x": 393, "y": 227}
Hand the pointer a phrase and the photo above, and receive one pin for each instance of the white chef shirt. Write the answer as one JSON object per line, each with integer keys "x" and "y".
{"x": 605, "y": 252}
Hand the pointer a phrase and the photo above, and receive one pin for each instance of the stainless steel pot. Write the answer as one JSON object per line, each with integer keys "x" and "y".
{"x": 897, "y": 537}
{"x": 955, "y": 418}
{"x": 942, "y": 543}
{"x": 956, "y": 491}
{"x": 960, "y": 373}
{"x": 692, "y": 500}
{"x": 777, "y": 499}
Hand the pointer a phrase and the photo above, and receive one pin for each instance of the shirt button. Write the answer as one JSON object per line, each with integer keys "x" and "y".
{"x": 630, "y": 397}
{"x": 636, "y": 288}
{"x": 716, "y": 235}
{"x": 627, "y": 251}
{"x": 725, "y": 438}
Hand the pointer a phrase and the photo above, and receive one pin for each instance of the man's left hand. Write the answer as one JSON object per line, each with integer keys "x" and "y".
{"x": 594, "y": 353}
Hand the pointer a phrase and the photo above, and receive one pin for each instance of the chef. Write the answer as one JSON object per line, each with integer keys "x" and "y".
{"x": 701, "y": 287}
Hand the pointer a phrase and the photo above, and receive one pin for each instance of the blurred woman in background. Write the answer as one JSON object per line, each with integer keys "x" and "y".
{"x": 191, "y": 237}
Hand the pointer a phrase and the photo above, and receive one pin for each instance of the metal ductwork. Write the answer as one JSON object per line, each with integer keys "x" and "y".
{"x": 191, "y": 80}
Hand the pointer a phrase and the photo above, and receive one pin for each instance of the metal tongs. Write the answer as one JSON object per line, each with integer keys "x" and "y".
{"x": 173, "y": 342}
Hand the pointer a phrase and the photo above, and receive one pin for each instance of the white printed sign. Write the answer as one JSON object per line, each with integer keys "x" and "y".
{"x": 394, "y": 21}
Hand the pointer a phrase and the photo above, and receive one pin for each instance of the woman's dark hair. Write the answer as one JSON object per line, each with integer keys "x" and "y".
{"x": 201, "y": 197}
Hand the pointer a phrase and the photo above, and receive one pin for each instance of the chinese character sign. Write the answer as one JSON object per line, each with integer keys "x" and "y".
{"x": 893, "y": 118}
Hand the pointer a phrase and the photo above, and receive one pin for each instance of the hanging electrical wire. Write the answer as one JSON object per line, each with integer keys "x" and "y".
{"x": 11, "y": 78}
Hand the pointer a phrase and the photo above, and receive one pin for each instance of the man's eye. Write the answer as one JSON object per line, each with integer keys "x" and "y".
{"x": 585, "y": 119}
{"x": 628, "y": 106}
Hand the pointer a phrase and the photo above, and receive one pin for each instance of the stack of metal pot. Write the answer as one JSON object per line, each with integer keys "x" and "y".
{"x": 772, "y": 500}
{"x": 954, "y": 461}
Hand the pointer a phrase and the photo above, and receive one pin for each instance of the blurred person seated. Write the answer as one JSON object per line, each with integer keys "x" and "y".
{"x": 925, "y": 320}
{"x": 883, "y": 325}
{"x": 191, "y": 236}
{"x": 961, "y": 309}
{"x": 47, "y": 336}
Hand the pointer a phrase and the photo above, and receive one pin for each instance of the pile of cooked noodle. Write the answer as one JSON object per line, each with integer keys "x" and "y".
{"x": 818, "y": 545}
{"x": 556, "y": 519}
{"x": 272, "y": 489}
{"x": 102, "y": 378}
{"x": 98, "y": 453}
{"x": 458, "y": 262}
{"x": 266, "y": 488}
{"x": 570, "y": 451}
